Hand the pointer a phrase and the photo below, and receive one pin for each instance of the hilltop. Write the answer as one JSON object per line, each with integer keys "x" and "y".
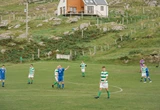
{"x": 131, "y": 31}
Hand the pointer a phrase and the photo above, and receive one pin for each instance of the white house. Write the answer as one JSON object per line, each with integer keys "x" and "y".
{"x": 87, "y": 7}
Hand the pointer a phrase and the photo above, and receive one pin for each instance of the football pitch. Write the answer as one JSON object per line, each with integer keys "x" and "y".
{"x": 127, "y": 92}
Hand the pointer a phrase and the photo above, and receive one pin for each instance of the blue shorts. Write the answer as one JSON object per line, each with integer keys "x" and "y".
{"x": 2, "y": 76}
{"x": 147, "y": 74}
{"x": 60, "y": 78}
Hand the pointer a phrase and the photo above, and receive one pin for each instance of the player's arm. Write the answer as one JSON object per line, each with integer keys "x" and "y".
{"x": 67, "y": 68}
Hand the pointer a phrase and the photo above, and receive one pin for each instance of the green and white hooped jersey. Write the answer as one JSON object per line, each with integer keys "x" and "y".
{"x": 83, "y": 65}
{"x": 104, "y": 75}
{"x": 143, "y": 69}
{"x": 56, "y": 72}
{"x": 31, "y": 70}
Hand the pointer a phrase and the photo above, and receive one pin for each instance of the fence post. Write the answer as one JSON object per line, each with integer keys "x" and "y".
{"x": 121, "y": 37}
{"x": 115, "y": 41}
{"x": 75, "y": 53}
{"x": 14, "y": 16}
{"x": 94, "y": 49}
{"x": 38, "y": 53}
{"x": 83, "y": 52}
{"x": 1, "y": 18}
{"x": 70, "y": 54}
{"x": 90, "y": 52}
{"x": 143, "y": 11}
{"x": 32, "y": 56}
{"x": 108, "y": 46}
{"x": 82, "y": 33}
{"x": 101, "y": 49}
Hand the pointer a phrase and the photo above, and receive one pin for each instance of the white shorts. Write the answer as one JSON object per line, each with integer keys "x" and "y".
{"x": 31, "y": 76}
{"x": 56, "y": 79}
{"x": 83, "y": 70}
{"x": 103, "y": 85}
{"x": 143, "y": 74}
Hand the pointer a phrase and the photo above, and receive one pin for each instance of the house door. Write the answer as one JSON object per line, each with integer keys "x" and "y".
{"x": 64, "y": 10}
{"x": 90, "y": 9}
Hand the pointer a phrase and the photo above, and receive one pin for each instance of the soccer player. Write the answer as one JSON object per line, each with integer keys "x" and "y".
{"x": 61, "y": 76}
{"x": 147, "y": 74}
{"x": 143, "y": 70}
{"x": 141, "y": 62}
{"x": 31, "y": 74}
{"x": 103, "y": 82}
{"x": 56, "y": 77}
{"x": 2, "y": 74}
{"x": 83, "y": 67}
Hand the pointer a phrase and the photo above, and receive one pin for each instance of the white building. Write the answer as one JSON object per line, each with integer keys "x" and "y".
{"x": 87, "y": 7}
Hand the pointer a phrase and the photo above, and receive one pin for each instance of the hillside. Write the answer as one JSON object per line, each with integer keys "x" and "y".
{"x": 131, "y": 31}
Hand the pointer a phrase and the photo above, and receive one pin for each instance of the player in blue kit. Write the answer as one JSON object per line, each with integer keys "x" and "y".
{"x": 61, "y": 76}
{"x": 2, "y": 74}
{"x": 147, "y": 74}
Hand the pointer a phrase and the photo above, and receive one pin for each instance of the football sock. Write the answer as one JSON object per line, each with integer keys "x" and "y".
{"x": 99, "y": 93}
{"x": 62, "y": 86}
{"x": 108, "y": 94}
{"x": 144, "y": 79}
{"x": 59, "y": 86}
{"x": 83, "y": 74}
{"x": 2, "y": 83}
{"x": 28, "y": 80}
{"x": 55, "y": 83}
{"x": 149, "y": 79}
{"x": 32, "y": 81}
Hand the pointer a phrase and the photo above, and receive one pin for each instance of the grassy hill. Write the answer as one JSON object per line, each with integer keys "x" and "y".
{"x": 139, "y": 38}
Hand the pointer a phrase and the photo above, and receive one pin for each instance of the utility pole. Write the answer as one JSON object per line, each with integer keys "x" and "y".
{"x": 26, "y": 18}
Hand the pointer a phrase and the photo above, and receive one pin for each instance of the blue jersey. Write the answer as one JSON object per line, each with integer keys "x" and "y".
{"x": 147, "y": 72}
{"x": 2, "y": 73}
{"x": 61, "y": 72}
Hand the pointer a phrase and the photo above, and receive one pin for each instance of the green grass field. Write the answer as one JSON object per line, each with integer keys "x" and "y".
{"x": 127, "y": 93}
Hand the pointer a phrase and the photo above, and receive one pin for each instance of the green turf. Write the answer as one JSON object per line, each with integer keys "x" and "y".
{"x": 79, "y": 92}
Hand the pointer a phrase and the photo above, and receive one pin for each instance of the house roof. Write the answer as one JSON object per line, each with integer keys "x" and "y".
{"x": 95, "y": 2}
{"x": 89, "y": 2}
{"x": 100, "y": 2}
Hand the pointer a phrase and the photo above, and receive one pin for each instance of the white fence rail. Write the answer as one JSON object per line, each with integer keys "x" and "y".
{"x": 60, "y": 56}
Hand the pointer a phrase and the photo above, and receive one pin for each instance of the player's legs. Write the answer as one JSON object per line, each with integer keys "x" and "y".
{"x": 32, "y": 80}
{"x": 83, "y": 72}
{"x": 62, "y": 82}
{"x": 99, "y": 93}
{"x": 147, "y": 75}
{"x": 55, "y": 83}
{"x": 29, "y": 79}
{"x": 149, "y": 79}
{"x": 143, "y": 77}
{"x": 59, "y": 82}
{"x": 2, "y": 79}
{"x": 3, "y": 83}
{"x": 100, "y": 90}
{"x": 107, "y": 90}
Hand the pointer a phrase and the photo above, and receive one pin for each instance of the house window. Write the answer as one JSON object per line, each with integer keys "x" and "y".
{"x": 102, "y": 8}
{"x": 90, "y": 9}
{"x": 73, "y": 9}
